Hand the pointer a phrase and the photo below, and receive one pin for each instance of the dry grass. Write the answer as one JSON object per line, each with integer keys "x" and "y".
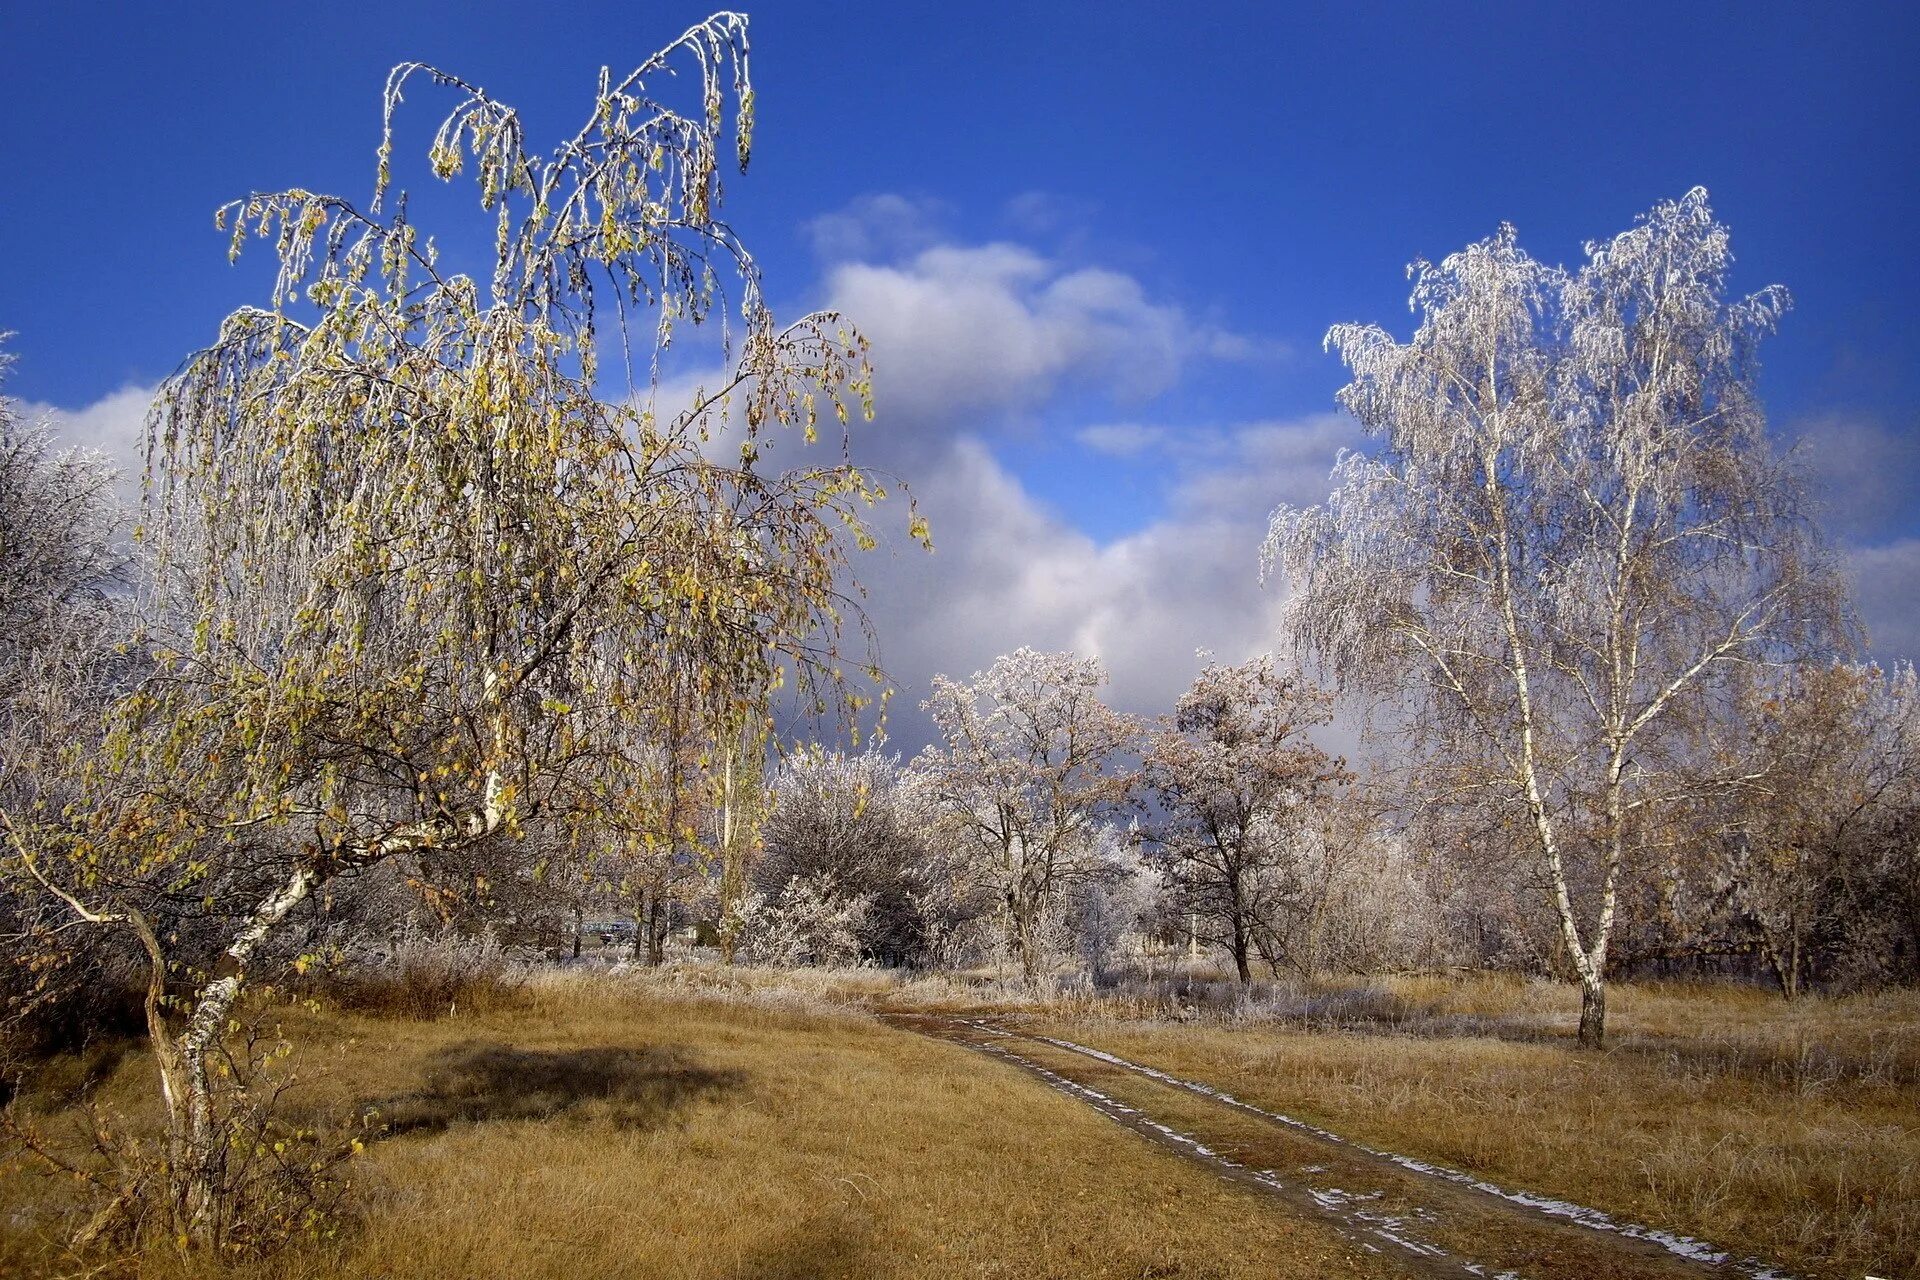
{"x": 1792, "y": 1131}
{"x": 710, "y": 1123}
{"x": 611, "y": 1126}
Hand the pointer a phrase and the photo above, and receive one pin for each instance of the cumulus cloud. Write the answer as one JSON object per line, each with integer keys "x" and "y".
{"x": 876, "y": 227}
{"x": 1887, "y": 583}
{"x": 961, "y": 331}
{"x": 968, "y": 338}
{"x": 1862, "y": 471}
{"x": 1256, "y": 467}
{"x": 1007, "y": 573}
{"x": 114, "y": 425}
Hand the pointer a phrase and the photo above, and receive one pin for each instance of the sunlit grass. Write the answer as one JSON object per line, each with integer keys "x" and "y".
{"x": 1791, "y": 1131}
{"x": 597, "y": 1128}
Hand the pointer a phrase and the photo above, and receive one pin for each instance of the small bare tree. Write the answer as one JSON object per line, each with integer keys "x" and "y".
{"x": 1837, "y": 750}
{"x": 1574, "y": 529}
{"x": 1237, "y": 783}
{"x": 1025, "y": 772}
{"x": 425, "y": 582}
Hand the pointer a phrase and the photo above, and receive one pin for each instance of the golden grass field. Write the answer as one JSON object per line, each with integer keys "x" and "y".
{"x": 600, "y": 1129}
{"x": 1790, "y": 1131}
{"x": 765, "y": 1125}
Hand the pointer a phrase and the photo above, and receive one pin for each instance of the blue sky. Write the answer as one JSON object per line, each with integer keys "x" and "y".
{"x": 1099, "y": 243}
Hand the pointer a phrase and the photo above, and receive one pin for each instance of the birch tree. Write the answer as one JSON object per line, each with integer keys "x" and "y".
{"x": 1237, "y": 782}
{"x": 434, "y": 547}
{"x": 1572, "y": 531}
{"x": 739, "y": 814}
{"x": 1025, "y": 771}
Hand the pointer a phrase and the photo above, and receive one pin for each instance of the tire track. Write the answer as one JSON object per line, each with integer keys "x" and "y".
{"x": 1429, "y": 1219}
{"x": 1374, "y": 1231}
{"x": 1546, "y": 1207}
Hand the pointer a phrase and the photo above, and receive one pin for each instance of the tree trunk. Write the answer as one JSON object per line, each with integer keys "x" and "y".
{"x": 733, "y": 882}
{"x": 656, "y": 934}
{"x": 1593, "y": 1011}
{"x": 1237, "y": 904}
{"x": 1795, "y": 964}
{"x": 197, "y": 1135}
{"x": 578, "y": 926}
{"x": 1026, "y": 942}
{"x": 733, "y": 864}
{"x": 1241, "y": 968}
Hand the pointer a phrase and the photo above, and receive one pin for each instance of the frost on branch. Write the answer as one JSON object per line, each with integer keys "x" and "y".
{"x": 1570, "y": 539}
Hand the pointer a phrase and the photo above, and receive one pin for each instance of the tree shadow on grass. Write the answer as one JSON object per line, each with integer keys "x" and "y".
{"x": 476, "y": 1082}
{"x": 811, "y": 1250}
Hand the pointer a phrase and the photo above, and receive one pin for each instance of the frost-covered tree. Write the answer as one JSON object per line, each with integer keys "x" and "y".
{"x": 1105, "y": 915}
{"x": 1236, "y": 782}
{"x": 1571, "y": 534}
{"x": 57, "y": 613}
{"x": 62, "y": 617}
{"x": 60, "y": 562}
{"x": 865, "y": 823}
{"x": 1361, "y": 900}
{"x": 441, "y": 553}
{"x": 1024, "y": 773}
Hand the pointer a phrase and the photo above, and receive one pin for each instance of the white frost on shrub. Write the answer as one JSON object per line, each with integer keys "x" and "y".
{"x": 810, "y": 922}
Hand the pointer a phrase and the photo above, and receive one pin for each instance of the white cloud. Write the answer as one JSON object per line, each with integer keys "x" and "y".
{"x": 114, "y": 425}
{"x": 876, "y": 227}
{"x": 1887, "y": 579}
{"x": 1240, "y": 470}
{"x": 1006, "y": 573}
{"x": 1256, "y": 467}
{"x": 1862, "y": 472}
{"x": 962, "y": 331}
{"x": 968, "y": 338}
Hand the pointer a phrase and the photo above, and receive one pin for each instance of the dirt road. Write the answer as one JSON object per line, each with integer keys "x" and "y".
{"x": 1431, "y": 1221}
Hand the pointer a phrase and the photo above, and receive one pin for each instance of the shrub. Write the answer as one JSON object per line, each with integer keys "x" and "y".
{"x": 428, "y": 974}
{"x": 811, "y": 922}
